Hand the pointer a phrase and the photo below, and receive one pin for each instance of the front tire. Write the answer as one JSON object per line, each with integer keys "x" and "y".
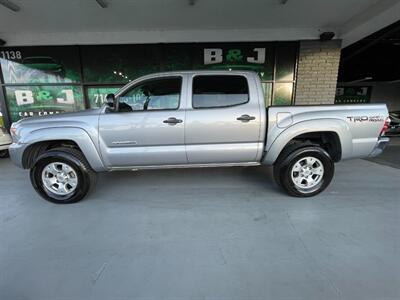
{"x": 62, "y": 176}
{"x": 305, "y": 172}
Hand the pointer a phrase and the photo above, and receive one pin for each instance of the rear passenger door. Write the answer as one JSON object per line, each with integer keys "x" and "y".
{"x": 223, "y": 120}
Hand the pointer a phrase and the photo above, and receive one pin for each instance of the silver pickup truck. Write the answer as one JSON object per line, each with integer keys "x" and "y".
{"x": 195, "y": 119}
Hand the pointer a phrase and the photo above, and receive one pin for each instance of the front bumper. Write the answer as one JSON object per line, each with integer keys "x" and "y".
{"x": 5, "y": 141}
{"x": 4, "y": 146}
{"x": 383, "y": 141}
{"x": 16, "y": 151}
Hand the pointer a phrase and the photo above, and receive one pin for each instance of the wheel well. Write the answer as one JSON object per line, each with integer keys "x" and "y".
{"x": 328, "y": 140}
{"x": 33, "y": 151}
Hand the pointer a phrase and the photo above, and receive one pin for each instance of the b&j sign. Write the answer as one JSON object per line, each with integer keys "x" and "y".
{"x": 353, "y": 94}
{"x": 216, "y": 56}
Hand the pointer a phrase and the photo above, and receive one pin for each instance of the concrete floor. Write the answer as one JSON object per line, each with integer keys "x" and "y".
{"x": 391, "y": 155}
{"x": 203, "y": 234}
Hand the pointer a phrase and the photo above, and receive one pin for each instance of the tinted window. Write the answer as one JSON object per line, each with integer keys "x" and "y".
{"x": 285, "y": 61}
{"x": 219, "y": 91}
{"x": 156, "y": 94}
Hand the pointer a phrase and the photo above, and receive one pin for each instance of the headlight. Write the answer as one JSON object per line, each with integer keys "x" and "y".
{"x": 14, "y": 132}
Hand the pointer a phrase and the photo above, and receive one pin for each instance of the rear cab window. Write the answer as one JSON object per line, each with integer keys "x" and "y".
{"x": 217, "y": 91}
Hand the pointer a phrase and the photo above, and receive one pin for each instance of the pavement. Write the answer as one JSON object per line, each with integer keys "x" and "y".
{"x": 224, "y": 233}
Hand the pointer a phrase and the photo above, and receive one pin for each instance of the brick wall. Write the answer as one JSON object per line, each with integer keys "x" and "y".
{"x": 317, "y": 72}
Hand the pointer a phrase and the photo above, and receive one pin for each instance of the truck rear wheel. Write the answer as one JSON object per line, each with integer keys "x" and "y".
{"x": 62, "y": 176}
{"x": 305, "y": 172}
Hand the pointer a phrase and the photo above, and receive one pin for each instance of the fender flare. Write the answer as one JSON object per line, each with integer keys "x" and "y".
{"x": 77, "y": 135}
{"x": 337, "y": 126}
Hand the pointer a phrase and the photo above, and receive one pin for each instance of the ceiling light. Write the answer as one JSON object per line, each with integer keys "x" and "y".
{"x": 361, "y": 79}
{"x": 7, "y": 3}
{"x": 102, "y": 3}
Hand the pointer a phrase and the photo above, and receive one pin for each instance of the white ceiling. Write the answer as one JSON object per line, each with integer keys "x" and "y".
{"x": 85, "y": 22}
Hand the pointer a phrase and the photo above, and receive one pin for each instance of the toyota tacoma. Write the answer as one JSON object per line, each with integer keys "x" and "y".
{"x": 195, "y": 119}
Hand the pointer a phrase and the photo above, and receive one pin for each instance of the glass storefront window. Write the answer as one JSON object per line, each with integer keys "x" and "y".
{"x": 119, "y": 63}
{"x": 285, "y": 61}
{"x": 267, "y": 87}
{"x": 29, "y": 65}
{"x": 283, "y": 92}
{"x": 41, "y": 80}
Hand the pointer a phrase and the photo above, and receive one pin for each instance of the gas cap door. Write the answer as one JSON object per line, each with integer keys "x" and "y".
{"x": 284, "y": 119}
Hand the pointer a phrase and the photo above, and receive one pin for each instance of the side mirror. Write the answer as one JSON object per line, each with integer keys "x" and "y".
{"x": 112, "y": 102}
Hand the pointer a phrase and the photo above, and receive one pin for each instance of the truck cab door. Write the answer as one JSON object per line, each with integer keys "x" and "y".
{"x": 148, "y": 128}
{"x": 223, "y": 120}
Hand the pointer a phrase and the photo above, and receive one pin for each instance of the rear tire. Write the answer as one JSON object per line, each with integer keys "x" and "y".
{"x": 62, "y": 176}
{"x": 305, "y": 172}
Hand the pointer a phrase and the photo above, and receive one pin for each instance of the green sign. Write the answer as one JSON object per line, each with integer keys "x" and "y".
{"x": 29, "y": 101}
{"x": 353, "y": 94}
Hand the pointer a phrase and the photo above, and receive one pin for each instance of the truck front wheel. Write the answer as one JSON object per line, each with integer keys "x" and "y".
{"x": 62, "y": 175}
{"x": 305, "y": 172}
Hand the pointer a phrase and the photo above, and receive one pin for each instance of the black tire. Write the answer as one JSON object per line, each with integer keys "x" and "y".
{"x": 284, "y": 167}
{"x": 284, "y": 154}
{"x": 4, "y": 154}
{"x": 74, "y": 159}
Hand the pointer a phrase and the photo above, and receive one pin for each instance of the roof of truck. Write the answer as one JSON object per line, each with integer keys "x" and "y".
{"x": 205, "y": 71}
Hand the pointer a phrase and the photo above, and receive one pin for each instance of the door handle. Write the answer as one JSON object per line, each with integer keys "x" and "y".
{"x": 245, "y": 118}
{"x": 172, "y": 121}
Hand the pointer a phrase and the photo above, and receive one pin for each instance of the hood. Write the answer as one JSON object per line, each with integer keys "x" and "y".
{"x": 60, "y": 116}
{"x": 86, "y": 119}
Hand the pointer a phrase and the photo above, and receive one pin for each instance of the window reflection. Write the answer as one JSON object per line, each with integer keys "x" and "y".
{"x": 267, "y": 87}
{"x": 283, "y": 93}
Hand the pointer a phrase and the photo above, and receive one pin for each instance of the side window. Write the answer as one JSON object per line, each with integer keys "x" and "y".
{"x": 155, "y": 94}
{"x": 219, "y": 91}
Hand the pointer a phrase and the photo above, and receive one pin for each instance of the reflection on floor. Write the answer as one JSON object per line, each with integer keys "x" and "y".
{"x": 391, "y": 155}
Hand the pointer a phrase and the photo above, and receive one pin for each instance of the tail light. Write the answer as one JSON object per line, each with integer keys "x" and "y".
{"x": 385, "y": 127}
